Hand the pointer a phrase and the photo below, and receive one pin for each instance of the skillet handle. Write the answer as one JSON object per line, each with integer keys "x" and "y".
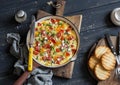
{"x": 60, "y": 7}
{"x": 22, "y": 78}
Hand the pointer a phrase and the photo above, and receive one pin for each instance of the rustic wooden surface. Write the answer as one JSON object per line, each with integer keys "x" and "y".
{"x": 60, "y": 8}
{"x": 96, "y": 22}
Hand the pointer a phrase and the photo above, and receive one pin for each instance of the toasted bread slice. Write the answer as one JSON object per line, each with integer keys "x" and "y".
{"x": 100, "y": 50}
{"x": 92, "y": 62}
{"x": 108, "y": 61}
{"x": 101, "y": 73}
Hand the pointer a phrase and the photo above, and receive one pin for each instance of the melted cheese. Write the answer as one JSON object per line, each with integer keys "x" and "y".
{"x": 55, "y": 41}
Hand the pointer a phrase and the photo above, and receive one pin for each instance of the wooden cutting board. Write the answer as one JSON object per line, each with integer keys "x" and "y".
{"x": 113, "y": 79}
{"x": 67, "y": 70}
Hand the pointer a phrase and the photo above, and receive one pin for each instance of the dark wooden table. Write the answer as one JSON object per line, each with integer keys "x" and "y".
{"x": 96, "y": 23}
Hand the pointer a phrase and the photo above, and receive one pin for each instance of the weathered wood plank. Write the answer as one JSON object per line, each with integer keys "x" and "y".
{"x": 74, "y": 6}
{"x": 100, "y": 17}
